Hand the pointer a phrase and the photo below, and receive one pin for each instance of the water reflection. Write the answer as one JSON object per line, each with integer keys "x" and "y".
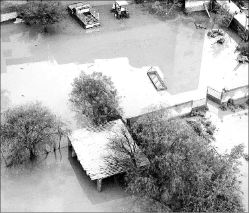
{"x": 173, "y": 46}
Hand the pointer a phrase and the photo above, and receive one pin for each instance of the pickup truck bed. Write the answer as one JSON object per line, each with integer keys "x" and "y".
{"x": 84, "y": 15}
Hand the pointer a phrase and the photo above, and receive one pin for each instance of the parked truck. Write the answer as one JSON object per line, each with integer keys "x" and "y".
{"x": 84, "y": 14}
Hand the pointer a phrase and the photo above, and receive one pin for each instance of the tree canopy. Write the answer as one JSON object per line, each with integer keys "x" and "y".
{"x": 185, "y": 172}
{"x": 26, "y": 130}
{"x": 41, "y": 13}
{"x": 94, "y": 96}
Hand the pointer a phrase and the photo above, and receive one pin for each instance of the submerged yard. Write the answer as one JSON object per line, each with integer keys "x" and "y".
{"x": 30, "y": 72}
{"x": 58, "y": 183}
{"x": 29, "y": 57}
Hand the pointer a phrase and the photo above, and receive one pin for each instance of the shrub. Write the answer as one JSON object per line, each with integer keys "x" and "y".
{"x": 223, "y": 106}
{"x": 199, "y": 112}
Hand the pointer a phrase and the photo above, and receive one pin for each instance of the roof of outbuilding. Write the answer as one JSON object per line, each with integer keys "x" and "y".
{"x": 91, "y": 147}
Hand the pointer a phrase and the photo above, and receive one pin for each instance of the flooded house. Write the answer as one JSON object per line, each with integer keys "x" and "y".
{"x": 91, "y": 147}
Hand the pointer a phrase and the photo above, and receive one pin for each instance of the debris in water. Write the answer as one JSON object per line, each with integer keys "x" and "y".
{"x": 220, "y": 40}
{"x": 199, "y": 26}
{"x": 242, "y": 59}
{"x": 215, "y": 32}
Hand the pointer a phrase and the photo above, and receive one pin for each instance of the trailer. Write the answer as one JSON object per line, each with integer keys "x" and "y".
{"x": 84, "y": 14}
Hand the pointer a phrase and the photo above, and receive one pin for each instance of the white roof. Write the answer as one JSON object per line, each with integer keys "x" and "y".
{"x": 122, "y": 3}
{"x": 91, "y": 147}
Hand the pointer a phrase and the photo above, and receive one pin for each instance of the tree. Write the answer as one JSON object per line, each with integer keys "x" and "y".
{"x": 95, "y": 97}
{"x": 185, "y": 172}
{"x": 41, "y": 13}
{"x": 27, "y": 130}
{"x": 124, "y": 148}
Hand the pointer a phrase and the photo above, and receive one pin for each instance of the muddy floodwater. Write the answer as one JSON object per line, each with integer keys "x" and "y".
{"x": 175, "y": 46}
{"x": 58, "y": 183}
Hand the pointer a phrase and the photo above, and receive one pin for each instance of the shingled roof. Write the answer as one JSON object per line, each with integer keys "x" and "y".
{"x": 91, "y": 148}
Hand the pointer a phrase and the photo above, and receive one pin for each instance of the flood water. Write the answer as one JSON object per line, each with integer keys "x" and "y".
{"x": 28, "y": 56}
{"x": 56, "y": 184}
{"x": 29, "y": 72}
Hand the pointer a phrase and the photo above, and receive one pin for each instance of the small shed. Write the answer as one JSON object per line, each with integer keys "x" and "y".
{"x": 90, "y": 146}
